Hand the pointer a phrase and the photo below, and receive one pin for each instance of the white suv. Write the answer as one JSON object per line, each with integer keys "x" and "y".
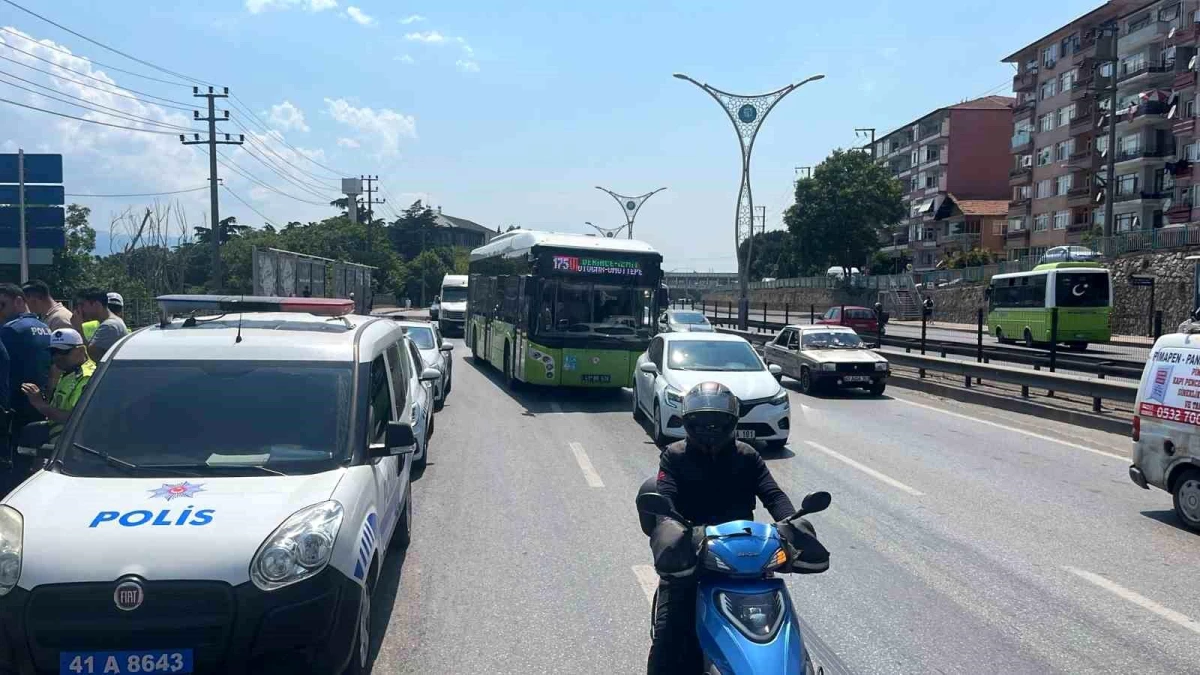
{"x": 221, "y": 500}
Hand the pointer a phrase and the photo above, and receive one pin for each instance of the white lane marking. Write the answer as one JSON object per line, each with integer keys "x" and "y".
{"x": 866, "y": 469}
{"x": 647, "y": 579}
{"x": 997, "y": 425}
{"x": 585, "y": 465}
{"x": 555, "y": 407}
{"x": 1137, "y": 599}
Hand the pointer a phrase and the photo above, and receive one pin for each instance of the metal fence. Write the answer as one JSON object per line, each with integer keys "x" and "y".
{"x": 289, "y": 274}
{"x": 1148, "y": 240}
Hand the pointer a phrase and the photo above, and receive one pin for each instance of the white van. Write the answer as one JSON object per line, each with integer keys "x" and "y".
{"x": 452, "y": 314}
{"x": 1166, "y": 423}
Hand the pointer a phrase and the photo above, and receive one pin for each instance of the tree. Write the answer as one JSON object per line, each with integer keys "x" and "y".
{"x": 408, "y": 234}
{"x": 229, "y": 229}
{"x": 73, "y": 265}
{"x": 881, "y": 263}
{"x": 841, "y": 210}
{"x": 426, "y": 272}
{"x": 773, "y": 254}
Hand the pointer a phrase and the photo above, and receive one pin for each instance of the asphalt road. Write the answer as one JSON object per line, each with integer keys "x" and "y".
{"x": 964, "y": 540}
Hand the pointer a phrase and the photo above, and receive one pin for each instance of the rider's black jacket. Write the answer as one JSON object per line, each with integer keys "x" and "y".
{"x": 713, "y": 489}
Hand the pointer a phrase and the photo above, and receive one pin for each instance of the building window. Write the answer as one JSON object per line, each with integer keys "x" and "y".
{"x": 1169, "y": 13}
{"x": 1127, "y": 184}
{"x": 932, "y": 152}
{"x": 1016, "y": 224}
{"x": 1043, "y": 189}
{"x": 1023, "y": 128}
{"x": 1065, "y": 115}
{"x": 1043, "y": 156}
{"x": 1129, "y": 144}
{"x": 1138, "y": 24}
{"x": 1020, "y": 193}
{"x": 1067, "y": 80}
{"x": 1041, "y": 222}
{"x": 931, "y": 180}
{"x": 1190, "y": 152}
{"x": 1049, "y": 89}
{"x": 915, "y": 157}
{"x": 1046, "y": 122}
{"x": 1133, "y": 64}
{"x": 1064, "y": 150}
{"x": 912, "y": 184}
{"x": 997, "y": 228}
{"x": 1126, "y": 222}
{"x": 1062, "y": 185}
{"x": 1050, "y": 56}
{"x": 1062, "y": 219}
{"x": 1189, "y": 109}
{"x": 1102, "y": 145}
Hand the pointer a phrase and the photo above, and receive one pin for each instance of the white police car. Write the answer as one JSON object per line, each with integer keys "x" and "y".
{"x": 221, "y": 500}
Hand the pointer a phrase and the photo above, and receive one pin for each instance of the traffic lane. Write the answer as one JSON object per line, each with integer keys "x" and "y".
{"x": 515, "y": 564}
{"x": 991, "y": 536}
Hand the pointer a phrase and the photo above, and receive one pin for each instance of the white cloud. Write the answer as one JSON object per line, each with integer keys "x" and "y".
{"x": 259, "y": 6}
{"x": 383, "y": 128}
{"x": 359, "y": 16}
{"x": 467, "y": 66}
{"x": 405, "y": 59}
{"x": 412, "y": 18}
{"x": 287, "y": 117}
{"x": 429, "y": 37}
{"x": 348, "y": 143}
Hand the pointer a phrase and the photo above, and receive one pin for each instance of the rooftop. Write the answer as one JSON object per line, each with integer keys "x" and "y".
{"x": 982, "y": 103}
{"x": 1109, "y": 9}
{"x": 981, "y": 207}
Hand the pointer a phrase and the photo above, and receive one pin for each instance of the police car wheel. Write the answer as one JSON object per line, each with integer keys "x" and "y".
{"x": 362, "y": 635}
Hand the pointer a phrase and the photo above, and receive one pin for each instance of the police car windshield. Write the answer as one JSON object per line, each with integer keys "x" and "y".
{"x": 216, "y": 418}
{"x": 420, "y": 335}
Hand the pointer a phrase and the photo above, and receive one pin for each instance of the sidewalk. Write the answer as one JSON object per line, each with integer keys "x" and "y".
{"x": 1131, "y": 340}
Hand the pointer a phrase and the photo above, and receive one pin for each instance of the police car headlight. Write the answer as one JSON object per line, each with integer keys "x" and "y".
{"x": 298, "y": 549}
{"x": 12, "y": 527}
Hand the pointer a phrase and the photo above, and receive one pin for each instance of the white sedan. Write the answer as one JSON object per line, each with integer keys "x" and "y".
{"x": 434, "y": 354}
{"x": 676, "y": 362}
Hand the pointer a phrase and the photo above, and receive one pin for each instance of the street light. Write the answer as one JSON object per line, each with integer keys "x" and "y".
{"x": 606, "y": 232}
{"x": 630, "y": 205}
{"x": 747, "y": 114}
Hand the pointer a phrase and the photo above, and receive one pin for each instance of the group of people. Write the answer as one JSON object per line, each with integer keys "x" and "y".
{"x": 49, "y": 352}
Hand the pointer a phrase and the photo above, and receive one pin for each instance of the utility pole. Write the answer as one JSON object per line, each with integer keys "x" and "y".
{"x": 213, "y": 180}
{"x": 863, "y": 131}
{"x": 1106, "y": 51}
{"x": 807, "y": 170}
{"x": 370, "y": 203}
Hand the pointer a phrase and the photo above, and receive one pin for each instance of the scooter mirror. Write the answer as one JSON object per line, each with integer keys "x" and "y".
{"x": 655, "y": 504}
{"x": 815, "y": 501}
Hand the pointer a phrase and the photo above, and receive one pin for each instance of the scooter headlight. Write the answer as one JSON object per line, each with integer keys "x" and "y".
{"x": 714, "y": 562}
{"x": 756, "y": 615}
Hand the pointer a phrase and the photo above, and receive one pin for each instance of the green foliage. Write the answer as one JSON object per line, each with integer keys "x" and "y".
{"x": 408, "y": 233}
{"x": 773, "y": 255}
{"x": 973, "y": 258}
{"x": 841, "y": 210}
{"x": 881, "y": 263}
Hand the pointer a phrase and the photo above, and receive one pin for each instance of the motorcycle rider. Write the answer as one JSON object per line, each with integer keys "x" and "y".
{"x": 710, "y": 478}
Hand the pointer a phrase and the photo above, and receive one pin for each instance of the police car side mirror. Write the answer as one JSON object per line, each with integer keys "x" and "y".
{"x": 398, "y": 440}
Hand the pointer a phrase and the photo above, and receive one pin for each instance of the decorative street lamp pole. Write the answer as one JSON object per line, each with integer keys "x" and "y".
{"x": 747, "y": 114}
{"x": 630, "y": 205}
{"x": 607, "y": 232}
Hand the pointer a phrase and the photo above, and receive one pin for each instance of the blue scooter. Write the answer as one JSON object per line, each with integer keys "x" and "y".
{"x": 744, "y": 616}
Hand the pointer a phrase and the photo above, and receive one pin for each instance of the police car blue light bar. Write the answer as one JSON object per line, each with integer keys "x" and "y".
{"x": 175, "y": 305}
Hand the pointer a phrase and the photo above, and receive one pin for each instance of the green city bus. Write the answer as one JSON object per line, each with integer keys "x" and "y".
{"x": 563, "y": 309}
{"x": 1020, "y": 304}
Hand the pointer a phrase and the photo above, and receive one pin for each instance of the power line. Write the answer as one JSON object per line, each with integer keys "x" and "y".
{"x": 246, "y": 109}
{"x": 104, "y": 46}
{"x": 141, "y": 194}
{"x": 87, "y": 105}
{"x": 293, "y": 182}
{"x": 267, "y": 149}
{"x": 236, "y": 168}
{"x": 81, "y": 119}
{"x": 91, "y": 86}
{"x": 247, "y": 205}
{"x": 81, "y": 73}
{"x": 92, "y": 61}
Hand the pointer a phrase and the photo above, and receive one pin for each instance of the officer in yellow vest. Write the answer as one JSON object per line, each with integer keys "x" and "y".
{"x": 69, "y": 354}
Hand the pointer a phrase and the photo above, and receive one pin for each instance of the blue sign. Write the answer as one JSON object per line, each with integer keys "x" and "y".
{"x": 747, "y": 113}
{"x": 38, "y": 169}
{"x": 164, "y": 518}
{"x": 41, "y": 195}
{"x": 36, "y": 237}
{"x": 35, "y": 216}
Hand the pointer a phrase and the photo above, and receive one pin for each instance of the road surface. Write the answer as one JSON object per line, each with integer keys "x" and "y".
{"x": 964, "y": 540}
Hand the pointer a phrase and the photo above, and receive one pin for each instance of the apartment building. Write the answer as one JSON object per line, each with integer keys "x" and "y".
{"x": 1060, "y": 125}
{"x": 960, "y": 149}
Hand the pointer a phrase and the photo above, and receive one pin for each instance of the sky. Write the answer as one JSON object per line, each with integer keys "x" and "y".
{"x": 500, "y": 113}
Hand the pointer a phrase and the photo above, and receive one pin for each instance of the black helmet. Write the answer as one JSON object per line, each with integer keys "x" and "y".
{"x": 710, "y": 415}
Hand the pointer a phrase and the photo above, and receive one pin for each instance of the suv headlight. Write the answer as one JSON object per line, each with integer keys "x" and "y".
{"x": 756, "y": 615}
{"x": 12, "y": 532}
{"x": 297, "y": 549}
{"x": 828, "y": 366}
{"x": 781, "y": 398}
{"x": 881, "y": 365}
{"x": 674, "y": 397}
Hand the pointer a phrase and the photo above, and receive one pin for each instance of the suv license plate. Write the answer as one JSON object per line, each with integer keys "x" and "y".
{"x": 745, "y": 433}
{"x": 856, "y": 378}
{"x": 123, "y": 663}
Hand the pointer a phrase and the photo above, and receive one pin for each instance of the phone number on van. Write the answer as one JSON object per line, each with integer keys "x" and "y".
{"x": 1165, "y": 412}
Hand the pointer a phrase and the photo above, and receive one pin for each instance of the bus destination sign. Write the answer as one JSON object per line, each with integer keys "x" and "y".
{"x": 595, "y": 265}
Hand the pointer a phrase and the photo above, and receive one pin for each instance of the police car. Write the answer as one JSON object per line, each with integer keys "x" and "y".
{"x": 221, "y": 500}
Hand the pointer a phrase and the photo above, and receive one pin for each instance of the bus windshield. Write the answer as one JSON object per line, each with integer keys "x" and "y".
{"x": 1081, "y": 289}
{"x": 570, "y": 309}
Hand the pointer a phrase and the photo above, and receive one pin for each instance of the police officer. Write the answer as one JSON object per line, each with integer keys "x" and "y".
{"x": 71, "y": 358}
{"x": 710, "y": 478}
{"x": 26, "y": 339}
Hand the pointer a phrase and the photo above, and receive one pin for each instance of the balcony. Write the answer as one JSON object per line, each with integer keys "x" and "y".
{"x": 1081, "y": 159}
{"x": 1183, "y": 80}
{"x": 1144, "y": 74}
{"x": 1143, "y": 153}
{"x": 1082, "y": 122}
{"x": 1026, "y": 81}
{"x": 1184, "y": 35}
{"x": 1179, "y": 213}
{"x": 1019, "y": 236}
{"x": 1080, "y": 224}
{"x": 1024, "y": 107}
{"x": 1131, "y": 41}
{"x": 1122, "y": 197}
{"x": 1022, "y": 176}
{"x": 1022, "y": 142}
{"x": 1184, "y": 128}
{"x": 1080, "y": 196}
{"x": 934, "y": 162}
{"x": 1081, "y": 91}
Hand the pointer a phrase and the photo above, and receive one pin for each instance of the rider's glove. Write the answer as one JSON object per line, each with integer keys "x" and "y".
{"x": 674, "y": 548}
{"x": 807, "y": 554}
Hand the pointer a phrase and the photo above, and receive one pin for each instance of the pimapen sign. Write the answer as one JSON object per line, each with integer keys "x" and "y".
{"x": 128, "y": 595}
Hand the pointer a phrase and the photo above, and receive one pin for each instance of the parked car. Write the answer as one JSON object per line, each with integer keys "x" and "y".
{"x": 820, "y": 356}
{"x": 861, "y": 319}
{"x": 676, "y": 362}
{"x": 1069, "y": 254}
{"x": 434, "y": 354}
{"x": 683, "y": 321}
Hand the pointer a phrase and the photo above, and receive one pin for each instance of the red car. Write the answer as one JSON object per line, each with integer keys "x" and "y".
{"x": 861, "y": 319}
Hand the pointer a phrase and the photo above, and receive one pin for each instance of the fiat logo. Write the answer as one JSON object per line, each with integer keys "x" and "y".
{"x": 128, "y": 596}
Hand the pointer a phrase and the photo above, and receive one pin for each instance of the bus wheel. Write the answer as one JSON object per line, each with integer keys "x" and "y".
{"x": 1000, "y": 336}
{"x": 509, "y": 381}
{"x": 1077, "y": 346}
{"x": 1029, "y": 338}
